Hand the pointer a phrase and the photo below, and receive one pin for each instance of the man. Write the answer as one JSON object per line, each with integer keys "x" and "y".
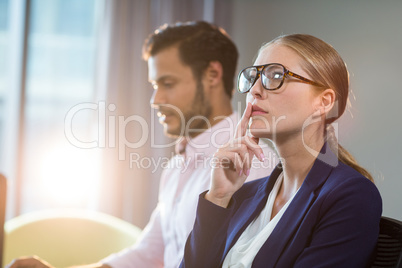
{"x": 191, "y": 67}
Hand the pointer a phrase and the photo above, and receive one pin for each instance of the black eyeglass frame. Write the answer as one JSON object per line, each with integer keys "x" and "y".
{"x": 260, "y": 69}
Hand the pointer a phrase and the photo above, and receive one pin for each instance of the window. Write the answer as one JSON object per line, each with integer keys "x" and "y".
{"x": 59, "y": 74}
{"x": 4, "y": 6}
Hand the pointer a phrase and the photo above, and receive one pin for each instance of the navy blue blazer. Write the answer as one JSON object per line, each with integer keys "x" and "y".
{"x": 333, "y": 221}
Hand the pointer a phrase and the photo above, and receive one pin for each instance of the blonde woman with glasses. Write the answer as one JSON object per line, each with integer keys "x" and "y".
{"x": 318, "y": 208}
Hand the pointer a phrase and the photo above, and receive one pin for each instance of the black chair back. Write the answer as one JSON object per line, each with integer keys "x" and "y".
{"x": 389, "y": 244}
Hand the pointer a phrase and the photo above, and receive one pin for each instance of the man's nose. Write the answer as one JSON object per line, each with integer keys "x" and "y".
{"x": 156, "y": 99}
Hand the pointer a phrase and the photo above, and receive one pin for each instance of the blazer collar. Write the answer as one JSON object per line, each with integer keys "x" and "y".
{"x": 250, "y": 207}
{"x": 294, "y": 214}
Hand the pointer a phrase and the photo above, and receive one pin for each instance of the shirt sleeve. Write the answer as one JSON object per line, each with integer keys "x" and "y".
{"x": 149, "y": 249}
{"x": 146, "y": 252}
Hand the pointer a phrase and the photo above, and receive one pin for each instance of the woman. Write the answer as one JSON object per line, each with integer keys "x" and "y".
{"x": 318, "y": 208}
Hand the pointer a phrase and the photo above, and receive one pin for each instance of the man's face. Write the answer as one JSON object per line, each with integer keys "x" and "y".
{"x": 178, "y": 96}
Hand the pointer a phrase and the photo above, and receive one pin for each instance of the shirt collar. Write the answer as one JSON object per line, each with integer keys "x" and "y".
{"x": 207, "y": 142}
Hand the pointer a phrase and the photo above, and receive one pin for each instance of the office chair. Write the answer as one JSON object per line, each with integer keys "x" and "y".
{"x": 389, "y": 244}
{"x": 66, "y": 237}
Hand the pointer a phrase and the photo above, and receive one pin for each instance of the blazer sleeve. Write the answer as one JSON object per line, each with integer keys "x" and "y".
{"x": 206, "y": 243}
{"x": 347, "y": 229}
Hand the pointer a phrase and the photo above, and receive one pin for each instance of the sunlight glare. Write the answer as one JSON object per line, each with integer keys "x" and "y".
{"x": 70, "y": 176}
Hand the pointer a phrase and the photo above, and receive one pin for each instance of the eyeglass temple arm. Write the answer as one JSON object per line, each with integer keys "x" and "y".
{"x": 305, "y": 80}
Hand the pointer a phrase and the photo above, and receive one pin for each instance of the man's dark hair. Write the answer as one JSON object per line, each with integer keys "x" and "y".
{"x": 199, "y": 43}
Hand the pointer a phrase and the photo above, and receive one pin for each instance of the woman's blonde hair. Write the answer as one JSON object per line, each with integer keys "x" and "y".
{"x": 325, "y": 66}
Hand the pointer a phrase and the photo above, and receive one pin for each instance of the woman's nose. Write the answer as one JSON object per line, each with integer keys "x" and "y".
{"x": 257, "y": 91}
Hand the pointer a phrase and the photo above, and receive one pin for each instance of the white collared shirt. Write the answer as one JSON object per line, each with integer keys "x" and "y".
{"x": 243, "y": 252}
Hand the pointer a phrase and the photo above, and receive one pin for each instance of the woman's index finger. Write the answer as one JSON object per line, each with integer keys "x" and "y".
{"x": 241, "y": 129}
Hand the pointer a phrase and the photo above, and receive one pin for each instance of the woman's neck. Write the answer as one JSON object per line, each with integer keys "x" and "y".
{"x": 298, "y": 157}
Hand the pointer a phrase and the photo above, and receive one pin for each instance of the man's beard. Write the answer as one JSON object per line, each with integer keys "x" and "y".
{"x": 201, "y": 109}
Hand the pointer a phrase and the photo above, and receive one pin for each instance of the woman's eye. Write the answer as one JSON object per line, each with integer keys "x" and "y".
{"x": 277, "y": 76}
{"x": 249, "y": 75}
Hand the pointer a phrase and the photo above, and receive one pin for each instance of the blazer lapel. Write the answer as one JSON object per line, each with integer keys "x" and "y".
{"x": 296, "y": 211}
{"x": 249, "y": 209}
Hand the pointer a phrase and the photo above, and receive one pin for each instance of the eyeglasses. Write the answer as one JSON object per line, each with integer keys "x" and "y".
{"x": 272, "y": 77}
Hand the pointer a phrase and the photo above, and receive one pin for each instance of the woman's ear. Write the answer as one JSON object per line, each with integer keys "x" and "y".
{"x": 214, "y": 73}
{"x": 326, "y": 101}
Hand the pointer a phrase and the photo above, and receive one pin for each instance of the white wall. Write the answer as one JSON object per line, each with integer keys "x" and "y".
{"x": 368, "y": 35}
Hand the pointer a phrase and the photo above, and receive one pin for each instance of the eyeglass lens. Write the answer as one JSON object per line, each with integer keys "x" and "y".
{"x": 271, "y": 77}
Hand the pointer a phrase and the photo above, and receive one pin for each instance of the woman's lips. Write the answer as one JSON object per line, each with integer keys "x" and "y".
{"x": 257, "y": 111}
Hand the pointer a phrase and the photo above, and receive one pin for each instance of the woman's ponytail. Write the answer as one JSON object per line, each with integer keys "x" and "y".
{"x": 343, "y": 155}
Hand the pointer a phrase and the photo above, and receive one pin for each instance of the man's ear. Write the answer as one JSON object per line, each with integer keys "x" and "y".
{"x": 214, "y": 73}
{"x": 326, "y": 101}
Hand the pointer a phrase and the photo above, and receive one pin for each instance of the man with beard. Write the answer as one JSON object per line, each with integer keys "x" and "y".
{"x": 191, "y": 68}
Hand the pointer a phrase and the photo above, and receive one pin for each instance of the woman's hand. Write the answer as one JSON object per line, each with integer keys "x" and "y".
{"x": 233, "y": 163}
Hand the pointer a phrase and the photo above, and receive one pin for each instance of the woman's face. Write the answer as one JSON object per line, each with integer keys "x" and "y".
{"x": 283, "y": 113}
